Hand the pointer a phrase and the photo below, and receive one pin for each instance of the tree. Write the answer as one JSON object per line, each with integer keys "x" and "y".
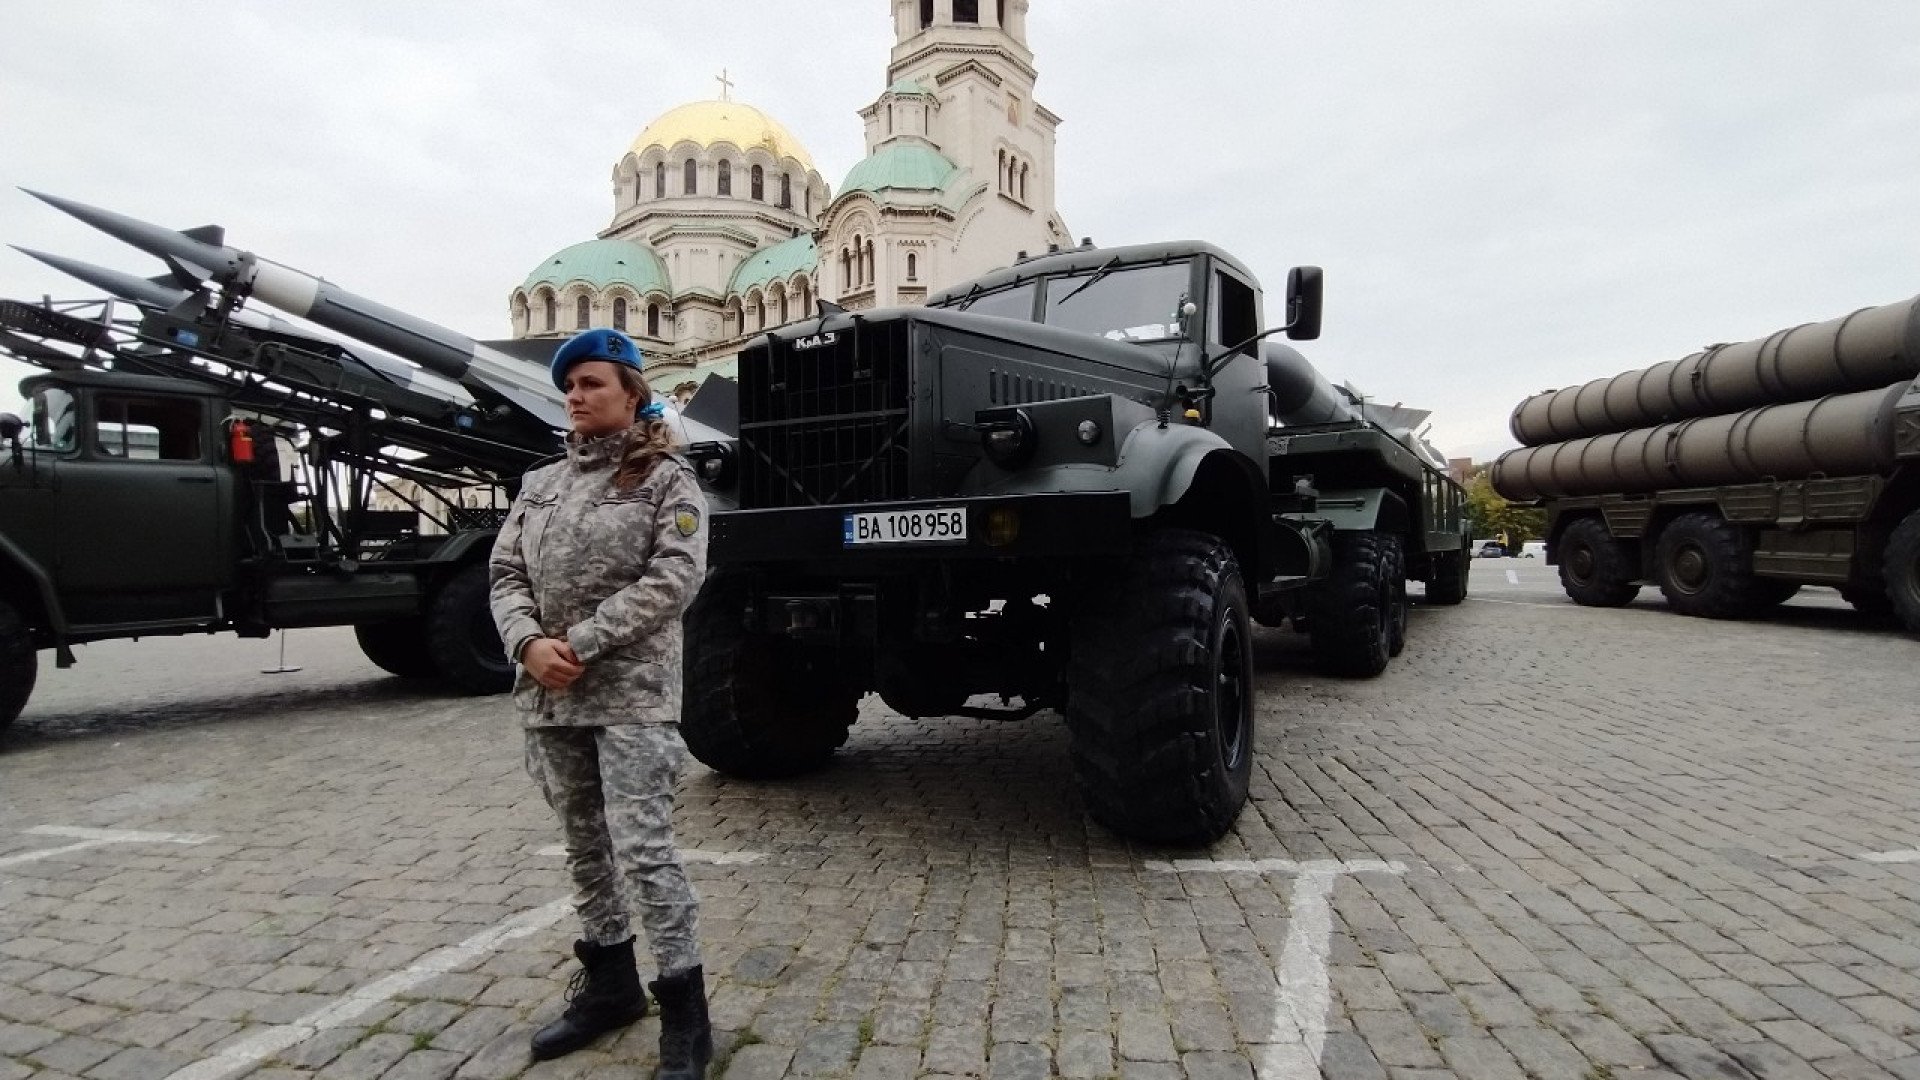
{"x": 1493, "y": 516}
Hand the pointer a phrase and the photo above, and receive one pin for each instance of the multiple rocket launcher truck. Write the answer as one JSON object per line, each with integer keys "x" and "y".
{"x": 1736, "y": 474}
{"x": 1073, "y": 484}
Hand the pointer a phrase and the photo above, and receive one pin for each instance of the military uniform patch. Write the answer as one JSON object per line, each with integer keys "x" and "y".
{"x": 686, "y": 518}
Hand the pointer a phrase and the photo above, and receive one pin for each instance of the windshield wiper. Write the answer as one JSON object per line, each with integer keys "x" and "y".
{"x": 1105, "y": 269}
{"x": 967, "y": 300}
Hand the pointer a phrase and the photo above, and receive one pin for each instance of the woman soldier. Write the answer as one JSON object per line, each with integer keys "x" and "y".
{"x": 599, "y": 557}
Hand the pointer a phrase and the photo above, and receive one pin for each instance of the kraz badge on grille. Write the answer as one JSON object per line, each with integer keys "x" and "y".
{"x": 815, "y": 341}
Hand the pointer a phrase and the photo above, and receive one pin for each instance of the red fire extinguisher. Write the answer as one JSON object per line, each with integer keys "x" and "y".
{"x": 240, "y": 443}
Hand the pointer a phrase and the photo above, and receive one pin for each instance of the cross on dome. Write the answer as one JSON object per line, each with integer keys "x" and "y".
{"x": 726, "y": 85}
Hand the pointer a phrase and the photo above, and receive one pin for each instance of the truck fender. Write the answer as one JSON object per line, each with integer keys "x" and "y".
{"x": 1156, "y": 467}
{"x": 460, "y": 546}
{"x": 17, "y": 563}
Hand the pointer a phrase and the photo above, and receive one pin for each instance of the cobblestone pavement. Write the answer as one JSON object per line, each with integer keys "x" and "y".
{"x": 1550, "y": 842}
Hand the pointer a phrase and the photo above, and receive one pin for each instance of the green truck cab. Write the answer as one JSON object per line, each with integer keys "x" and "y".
{"x": 1073, "y": 484}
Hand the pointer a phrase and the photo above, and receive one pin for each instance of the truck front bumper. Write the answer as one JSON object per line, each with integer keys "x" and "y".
{"x": 1077, "y": 524}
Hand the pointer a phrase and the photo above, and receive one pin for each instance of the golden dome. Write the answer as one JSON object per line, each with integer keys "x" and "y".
{"x": 709, "y": 122}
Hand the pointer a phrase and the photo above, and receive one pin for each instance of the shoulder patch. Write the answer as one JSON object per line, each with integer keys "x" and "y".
{"x": 686, "y": 518}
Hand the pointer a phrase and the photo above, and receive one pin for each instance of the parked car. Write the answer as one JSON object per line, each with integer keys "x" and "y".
{"x": 1533, "y": 549}
{"x": 1489, "y": 549}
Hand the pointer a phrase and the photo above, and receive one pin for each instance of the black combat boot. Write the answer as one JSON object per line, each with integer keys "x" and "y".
{"x": 686, "y": 1037}
{"x": 604, "y": 994}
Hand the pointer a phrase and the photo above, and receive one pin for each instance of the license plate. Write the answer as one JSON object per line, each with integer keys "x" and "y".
{"x": 939, "y": 526}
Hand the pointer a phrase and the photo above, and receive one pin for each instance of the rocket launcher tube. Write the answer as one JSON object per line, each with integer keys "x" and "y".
{"x": 1837, "y": 435}
{"x": 1856, "y": 352}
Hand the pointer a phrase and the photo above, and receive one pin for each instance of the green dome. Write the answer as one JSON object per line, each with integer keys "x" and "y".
{"x": 906, "y": 87}
{"x": 601, "y": 263}
{"x": 776, "y": 263}
{"x": 904, "y": 166}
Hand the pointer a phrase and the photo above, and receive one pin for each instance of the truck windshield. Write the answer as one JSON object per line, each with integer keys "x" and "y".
{"x": 52, "y": 419}
{"x": 1134, "y": 303}
{"x": 1014, "y": 303}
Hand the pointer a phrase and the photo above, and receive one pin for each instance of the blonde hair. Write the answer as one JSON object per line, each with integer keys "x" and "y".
{"x": 647, "y": 440}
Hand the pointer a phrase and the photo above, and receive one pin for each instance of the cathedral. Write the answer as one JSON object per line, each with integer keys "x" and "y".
{"x": 724, "y": 227}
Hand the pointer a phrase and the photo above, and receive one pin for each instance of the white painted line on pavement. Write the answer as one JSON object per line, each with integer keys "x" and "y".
{"x": 1905, "y": 855}
{"x": 1513, "y": 576}
{"x": 93, "y": 838}
{"x": 692, "y": 855}
{"x": 1298, "y": 1035}
{"x": 251, "y": 1051}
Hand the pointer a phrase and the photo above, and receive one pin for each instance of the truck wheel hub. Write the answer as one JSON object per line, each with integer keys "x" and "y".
{"x": 1580, "y": 563}
{"x": 1229, "y": 696}
{"x": 1690, "y": 570}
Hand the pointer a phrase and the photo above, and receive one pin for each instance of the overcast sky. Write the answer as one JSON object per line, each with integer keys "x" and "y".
{"x": 1506, "y": 195}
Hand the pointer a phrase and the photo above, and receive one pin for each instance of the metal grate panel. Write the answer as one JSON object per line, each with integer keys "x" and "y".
{"x": 827, "y": 424}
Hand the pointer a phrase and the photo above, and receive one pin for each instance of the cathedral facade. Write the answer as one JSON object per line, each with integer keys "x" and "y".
{"x": 723, "y": 227}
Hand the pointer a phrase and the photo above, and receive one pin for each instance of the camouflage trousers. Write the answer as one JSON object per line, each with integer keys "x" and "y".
{"x": 612, "y": 788}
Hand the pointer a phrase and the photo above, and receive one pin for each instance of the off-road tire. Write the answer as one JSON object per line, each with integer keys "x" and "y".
{"x": 1595, "y": 569}
{"x": 461, "y": 637}
{"x": 758, "y": 706}
{"x": 1350, "y": 615}
{"x": 1397, "y": 616}
{"x": 1702, "y": 565}
{"x": 397, "y": 647}
{"x": 1447, "y": 578}
{"x": 19, "y": 664}
{"x": 1160, "y": 711}
{"x": 1901, "y": 569}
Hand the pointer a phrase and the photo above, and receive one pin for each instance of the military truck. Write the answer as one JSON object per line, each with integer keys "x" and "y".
{"x": 1070, "y": 484}
{"x": 162, "y": 488}
{"x": 1738, "y": 473}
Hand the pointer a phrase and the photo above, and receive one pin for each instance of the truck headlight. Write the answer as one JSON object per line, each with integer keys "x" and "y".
{"x": 1007, "y": 437}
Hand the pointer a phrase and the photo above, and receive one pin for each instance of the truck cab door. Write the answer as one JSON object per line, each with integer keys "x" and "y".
{"x": 144, "y": 513}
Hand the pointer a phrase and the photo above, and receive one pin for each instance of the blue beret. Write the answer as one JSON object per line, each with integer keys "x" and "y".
{"x": 609, "y": 345}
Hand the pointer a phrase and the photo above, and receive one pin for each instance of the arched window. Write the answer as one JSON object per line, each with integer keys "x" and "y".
{"x": 1023, "y": 183}
{"x": 725, "y": 184}
{"x": 913, "y": 267}
{"x": 806, "y": 197}
{"x": 846, "y": 280}
{"x": 1003, "y": 170}
{"x": 966, "y": 11}
{"x": 1000, "y": 9}
{"x": 759, "y": 184}
{"x": 869, "y": 262}
{"x": 926, "y": 13}
{"x": 786, "y": 192}
{"x": 689, "y": 178}
{"x": 620, "y": 313}
{"x": 659, "y": 179}
{"x": 653, "y": 320}
{"x": 552, "y": 313}
{"x": 783, "y": 309}
{"x": 636, "y": 187}
{"x": 581, "y": 310}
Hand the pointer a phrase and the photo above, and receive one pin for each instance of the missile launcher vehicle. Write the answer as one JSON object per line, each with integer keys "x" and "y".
{"x": 1071, "y": 484}
{"x": 193, "y": 465}
{"x": 1739, "y": 473}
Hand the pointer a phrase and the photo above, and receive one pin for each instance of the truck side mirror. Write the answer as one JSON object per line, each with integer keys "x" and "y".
{"x": 1303, "y": 303}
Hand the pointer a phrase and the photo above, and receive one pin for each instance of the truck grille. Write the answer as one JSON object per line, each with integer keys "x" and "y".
{"x": 828, "y": 424}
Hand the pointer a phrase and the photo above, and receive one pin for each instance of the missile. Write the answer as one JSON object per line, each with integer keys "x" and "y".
{"x": 202, "y": 255}
{"x": 164, "y": 297}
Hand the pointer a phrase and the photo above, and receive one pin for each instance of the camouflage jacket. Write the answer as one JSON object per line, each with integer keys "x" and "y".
{"x": 610, "y": 570}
